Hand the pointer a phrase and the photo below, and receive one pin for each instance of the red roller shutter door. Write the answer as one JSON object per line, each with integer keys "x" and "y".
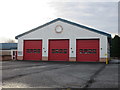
{"x": 58, "y": 50}
{"x": 87, "y": 50}
{"x": 32, "y": 50}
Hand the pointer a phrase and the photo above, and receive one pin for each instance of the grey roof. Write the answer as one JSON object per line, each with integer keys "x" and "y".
{"x": 8, "y": 46}
{"x": 69, "y": 22}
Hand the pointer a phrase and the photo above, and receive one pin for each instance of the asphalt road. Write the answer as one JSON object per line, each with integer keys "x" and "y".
{"x": 107, "y": 77}
{"x": 28, "y": 74}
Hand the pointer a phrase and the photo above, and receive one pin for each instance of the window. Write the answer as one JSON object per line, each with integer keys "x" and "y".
{"x": 87, "y": 51}
{"x": 94, "y": 51}
{"x": 53, "y": 50}
{"x": 56, "y": 51}
{"x": 81, "y": 51}
{"x": 27, "y": 51}
{"x": 38, "y": 50}
{"x": 34, "y": 50}
{"x": 65, "y": 50}
{"x": 60, "y": 50}
{"x": 31, "y": 50}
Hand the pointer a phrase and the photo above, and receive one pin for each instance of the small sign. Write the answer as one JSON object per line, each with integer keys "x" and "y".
{"x": 105, "y": 54}
{"x": 19, "y": 53}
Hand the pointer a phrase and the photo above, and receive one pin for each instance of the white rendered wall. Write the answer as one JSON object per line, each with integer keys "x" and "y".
{"x": 70, "y": 32}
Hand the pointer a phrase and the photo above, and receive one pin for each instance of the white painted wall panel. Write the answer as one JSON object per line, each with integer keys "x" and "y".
{"x": 70, "y": 32}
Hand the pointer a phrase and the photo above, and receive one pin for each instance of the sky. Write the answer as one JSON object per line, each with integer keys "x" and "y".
{"x": 19, "y": 16}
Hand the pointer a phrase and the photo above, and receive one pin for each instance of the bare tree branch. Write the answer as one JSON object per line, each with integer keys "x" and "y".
{"x": 10, "y": 41}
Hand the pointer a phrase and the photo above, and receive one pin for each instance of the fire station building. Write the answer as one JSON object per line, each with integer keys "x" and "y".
{"x": 63, "y": 40}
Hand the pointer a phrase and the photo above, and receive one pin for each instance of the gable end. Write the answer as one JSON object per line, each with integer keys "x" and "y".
{"x": 66, "y": 21}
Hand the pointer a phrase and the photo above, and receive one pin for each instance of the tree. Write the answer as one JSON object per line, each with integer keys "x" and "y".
{"x": 10, "y": 41}
{"x": 115, "y": 49}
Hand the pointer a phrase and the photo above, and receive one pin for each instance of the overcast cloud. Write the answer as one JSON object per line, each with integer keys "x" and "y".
{"x": 100, "y": 15}
{"x": 19, "y": 16}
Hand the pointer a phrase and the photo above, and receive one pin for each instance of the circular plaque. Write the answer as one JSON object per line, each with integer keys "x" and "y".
{"x": 58, "y": 29}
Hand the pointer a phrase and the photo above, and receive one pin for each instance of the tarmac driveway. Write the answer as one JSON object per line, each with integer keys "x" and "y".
{"x": 26, "y": 74}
